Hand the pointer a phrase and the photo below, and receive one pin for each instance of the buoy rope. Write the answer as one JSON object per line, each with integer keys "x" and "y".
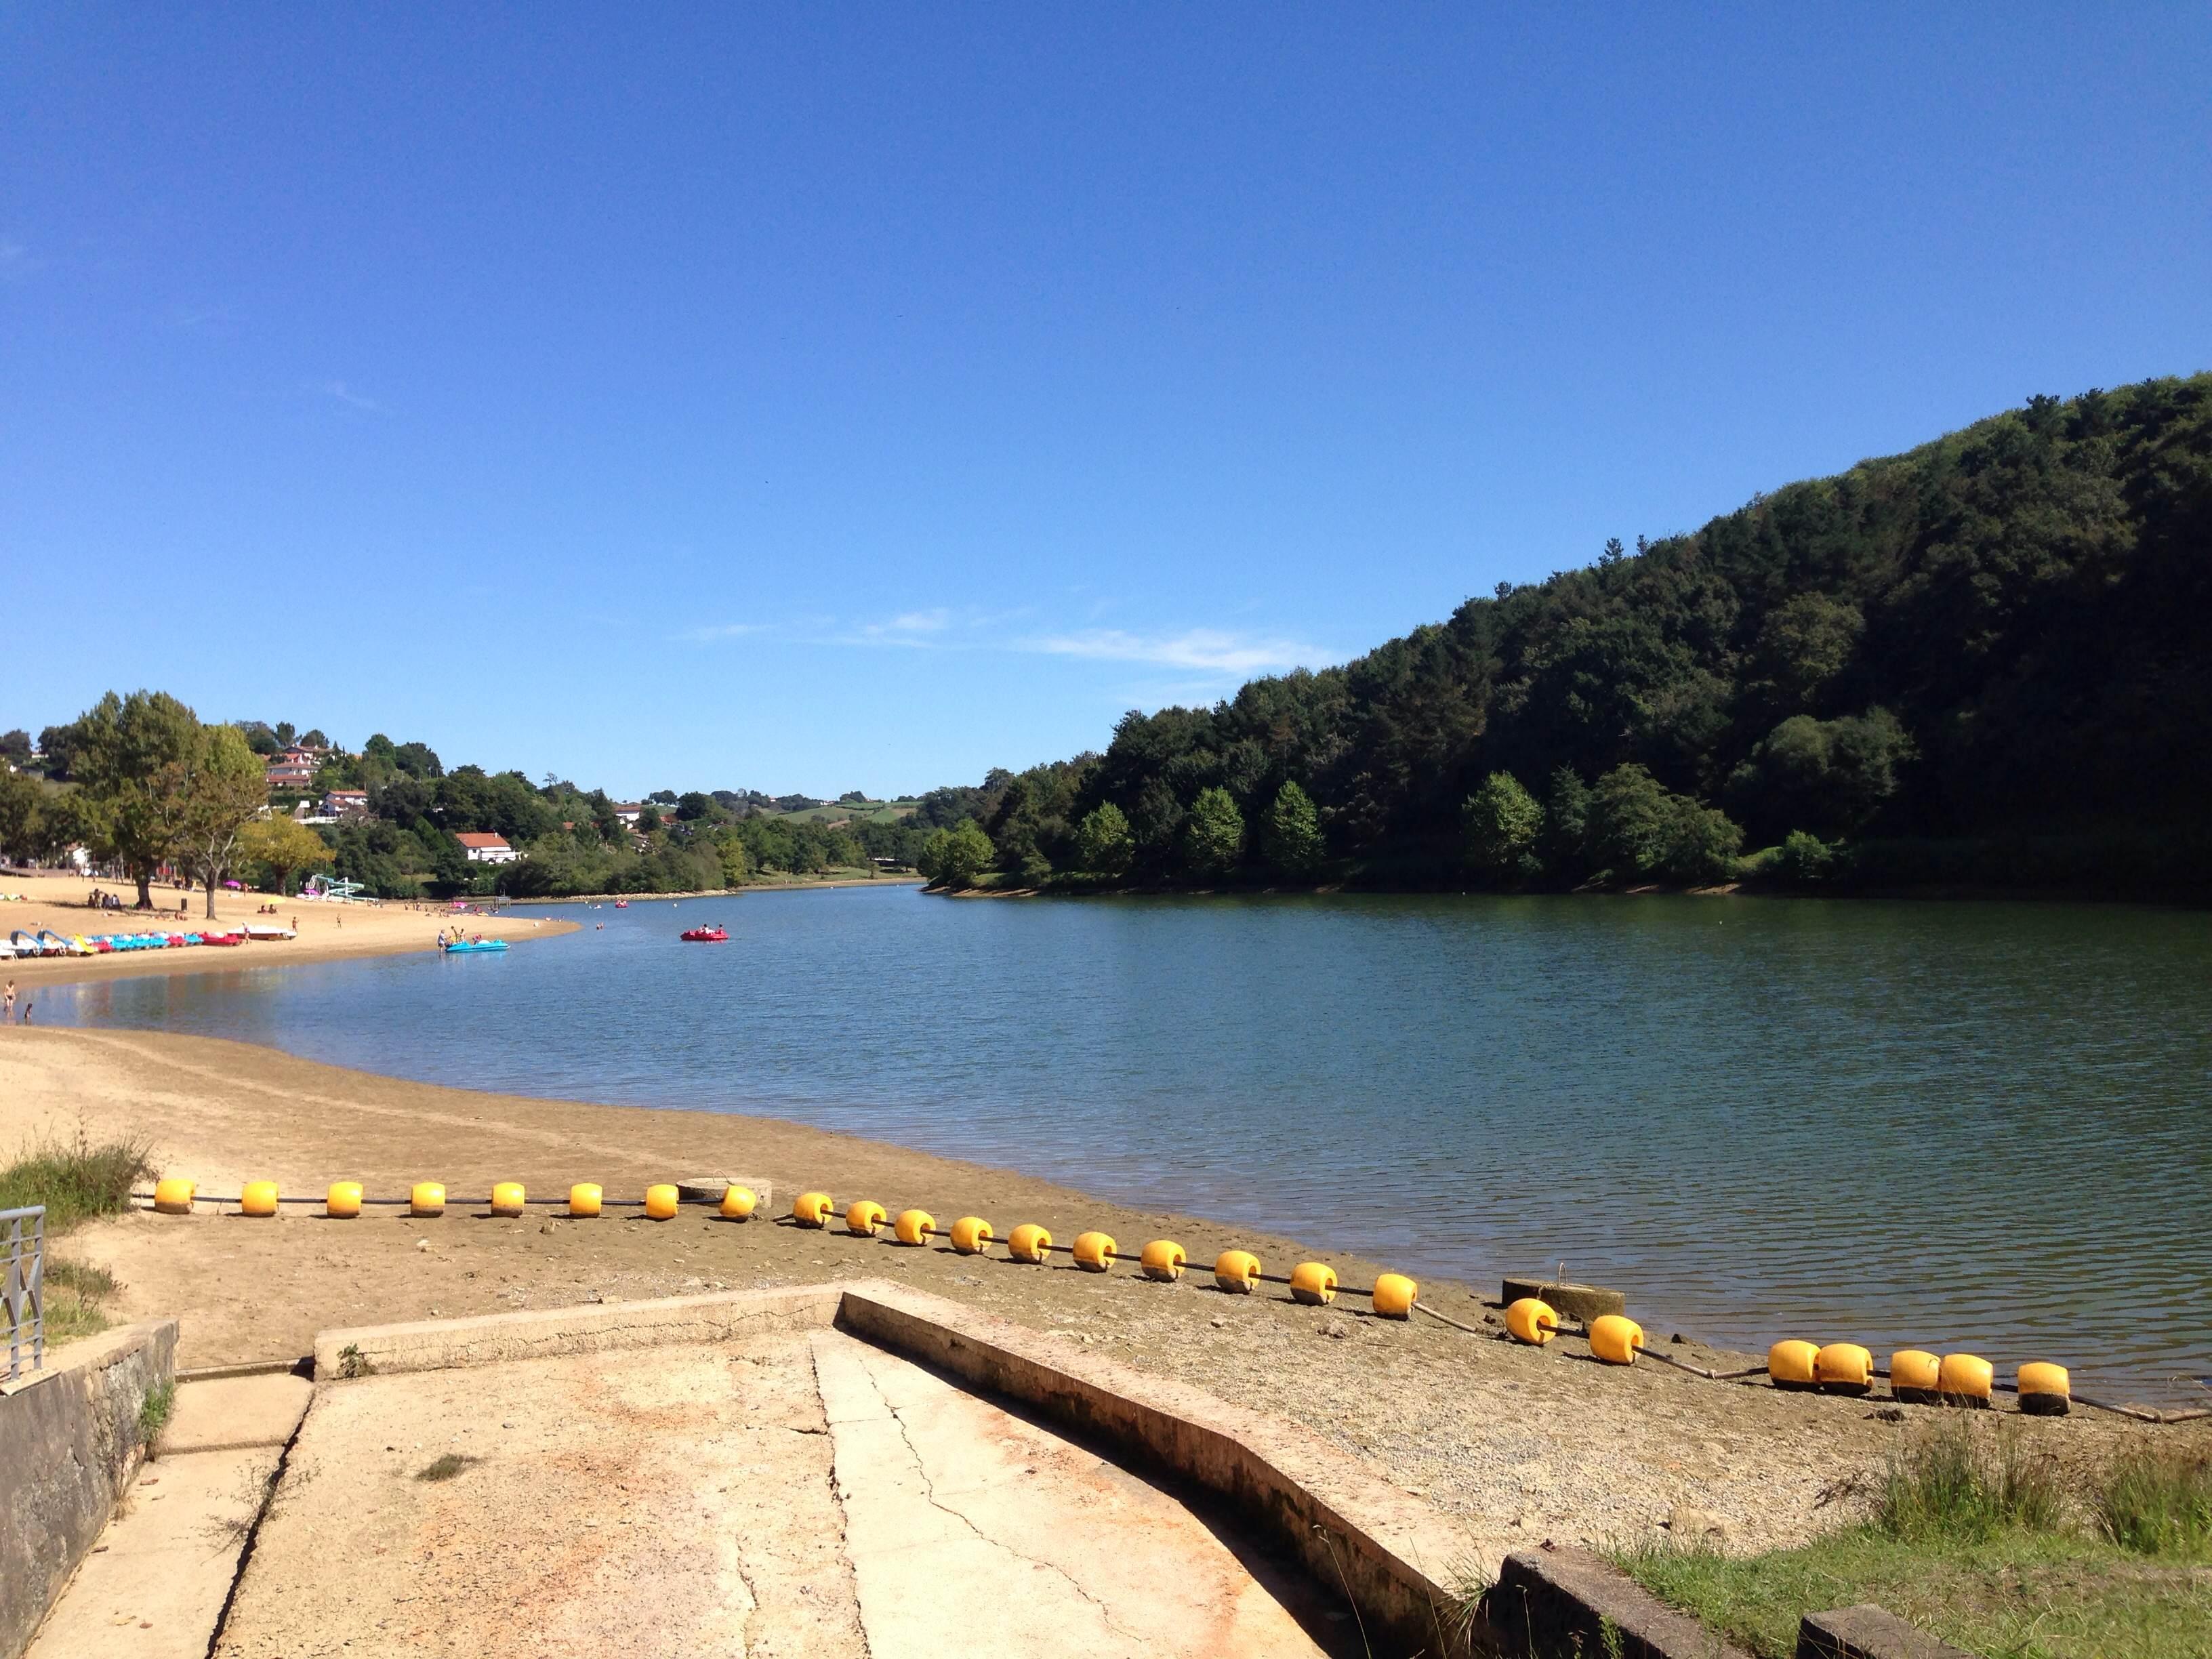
{"x": 561, "y": 1203}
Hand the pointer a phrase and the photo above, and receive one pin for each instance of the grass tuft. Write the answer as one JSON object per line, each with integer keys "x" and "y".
{"x": 446, "y": 1468}
{"x": 73, "y": 1299}
{"x": 2156, "y": 1505}
{"x": 154, "y": 1412}
{"x": 1952, "y": 1483}
{"x": 75, "y": 1179}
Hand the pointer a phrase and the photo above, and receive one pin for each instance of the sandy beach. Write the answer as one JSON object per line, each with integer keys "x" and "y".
{"x": 1520, "y": 1444}
{"x": 326, "y": 932}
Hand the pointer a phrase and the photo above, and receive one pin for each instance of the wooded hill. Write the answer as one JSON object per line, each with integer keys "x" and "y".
{"x": 1987, "y": 660}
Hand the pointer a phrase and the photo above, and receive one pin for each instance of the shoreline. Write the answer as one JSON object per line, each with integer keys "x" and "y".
{"x": 810, "y": 886}
{"x": 1519, "y": 1443}
{"x": 389, "y": 928}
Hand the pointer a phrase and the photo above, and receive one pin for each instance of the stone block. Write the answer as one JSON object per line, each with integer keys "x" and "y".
{"x": 1570, "y": 1300}
{"x": 1867, "y": 1633}
{"x": 1558, "y": 1600}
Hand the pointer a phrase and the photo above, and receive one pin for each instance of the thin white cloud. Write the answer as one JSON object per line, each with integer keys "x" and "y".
{"x": 1213, "y": 650}
{"x": 723, "y": 631}
{"x": 912, "y": 623}
{"x": 346, "y": 395}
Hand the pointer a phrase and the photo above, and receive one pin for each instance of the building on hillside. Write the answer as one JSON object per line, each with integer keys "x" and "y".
{"x": 485, "y": 848}
{"x": 345, "y": 803}
{"x": 627, "y": 811}
{"x": 293, "y": 769}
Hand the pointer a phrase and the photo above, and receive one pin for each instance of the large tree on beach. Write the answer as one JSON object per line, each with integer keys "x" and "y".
{"x": 223, "y": 792}
{"x": 133, "y": 764}
{"x": 286, "y": 846}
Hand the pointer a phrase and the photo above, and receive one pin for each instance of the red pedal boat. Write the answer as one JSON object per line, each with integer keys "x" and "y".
{"x": 707, "y": 935}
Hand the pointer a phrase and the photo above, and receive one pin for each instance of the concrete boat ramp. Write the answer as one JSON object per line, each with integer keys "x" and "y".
{"x": 779, "y": 1489}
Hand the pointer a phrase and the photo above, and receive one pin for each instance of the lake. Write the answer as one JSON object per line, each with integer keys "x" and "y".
{"x": 1978, "y": 1126}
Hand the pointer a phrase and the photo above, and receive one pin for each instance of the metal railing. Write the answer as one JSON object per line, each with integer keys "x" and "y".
{"x": 23, "y": 1243}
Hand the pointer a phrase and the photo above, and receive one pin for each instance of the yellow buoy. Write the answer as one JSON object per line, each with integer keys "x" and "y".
{"x": 972, "y": 1235}
{"x": 1912, "y": 1373}
{"x": 1614, "y": 1338}
{"x": 426, "y": 1198}
{"x": 2046, "y": 1390}
{"x": 914, "y": 1226}
{"x": 1313, "y": 1283}
{"x": 1964, "y": 1379}
{"x": 172, "y": 1195}
{"x": 660, "y": 1201}
{"x": 1789, "y": 1365}
{"x": 1029, "y": 1243}
{"x": 584, "y": 1200}
{"x": 1394, "y": 1296}
{"x": 1094, "y": 1252}
{"x": 343, "y": 1201}
{"x": 864, "y": 1218}
{"x": 1844, "y": 1368}
{"x": 257, "y": 1198}
{"x": 812, "y": 1209}
{"x": 1237, "y": 1270}
{"x": 506, "y": 1198}
{"x": 1163, "y": 1260}
{"x": 738, "y": 1203}
{"x": 1532, "y": 1320}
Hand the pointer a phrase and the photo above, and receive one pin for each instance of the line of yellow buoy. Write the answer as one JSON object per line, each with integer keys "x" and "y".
{"x": 1914, "y": 1376}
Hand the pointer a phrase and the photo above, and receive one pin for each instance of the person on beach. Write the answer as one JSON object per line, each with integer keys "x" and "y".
{"x": 8, "y": 1000}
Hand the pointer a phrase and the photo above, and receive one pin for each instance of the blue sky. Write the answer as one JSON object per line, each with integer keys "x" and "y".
{"x": 842, "y": 397}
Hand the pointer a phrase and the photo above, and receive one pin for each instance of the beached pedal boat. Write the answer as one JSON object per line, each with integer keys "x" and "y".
{"x": 715, "y": 935}
{"x": 464, "y": 947}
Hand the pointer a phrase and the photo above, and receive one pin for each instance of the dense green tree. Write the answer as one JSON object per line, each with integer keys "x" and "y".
{"x": 1214, "y": 838}
{"x": 283, "y": 847}
{"x": 224, "y": 788}
{"x": 133, "y": 765}
{"x": 1832, "y": 777}
{"x": 1291, "y": 835}
{"x": 58, "y": 749}
{"x": 286, "y": 733}
{"x": 417, "y": 760}
{"x": 1803, "y": 859}
{"x": 696, "y": 806}
{"x": 1501, "y": 825}
{"x": 954, "y": 857}
{"x": 1103, "y": 844}
{"x": 23, "y": 817}
{"x": 14, "y": 748}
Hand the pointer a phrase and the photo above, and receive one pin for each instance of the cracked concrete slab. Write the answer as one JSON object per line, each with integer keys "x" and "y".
{"x": 153, "y": 1587}
{"x": 230, "y": 1412}
{"x": 971, "y": 1529}
{"x": 663, "y": 1501}
{"x": 806, "y": 1492}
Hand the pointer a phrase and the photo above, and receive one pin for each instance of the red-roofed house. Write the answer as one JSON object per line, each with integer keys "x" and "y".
{"x": 293, "y": 769}
{"x": 483, "y": 849}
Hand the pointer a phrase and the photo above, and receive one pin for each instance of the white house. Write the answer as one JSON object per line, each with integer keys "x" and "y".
{"x": 483, "y": 849}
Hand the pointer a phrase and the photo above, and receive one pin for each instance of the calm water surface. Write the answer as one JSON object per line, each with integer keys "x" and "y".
{"x": 1979, "y": 1125}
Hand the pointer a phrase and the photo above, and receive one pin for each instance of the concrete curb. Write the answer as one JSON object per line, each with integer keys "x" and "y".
{"x": 431, "y": 1344}
{"x": 1559, "y": 1600}
{"x": 1868, "y": 1632}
